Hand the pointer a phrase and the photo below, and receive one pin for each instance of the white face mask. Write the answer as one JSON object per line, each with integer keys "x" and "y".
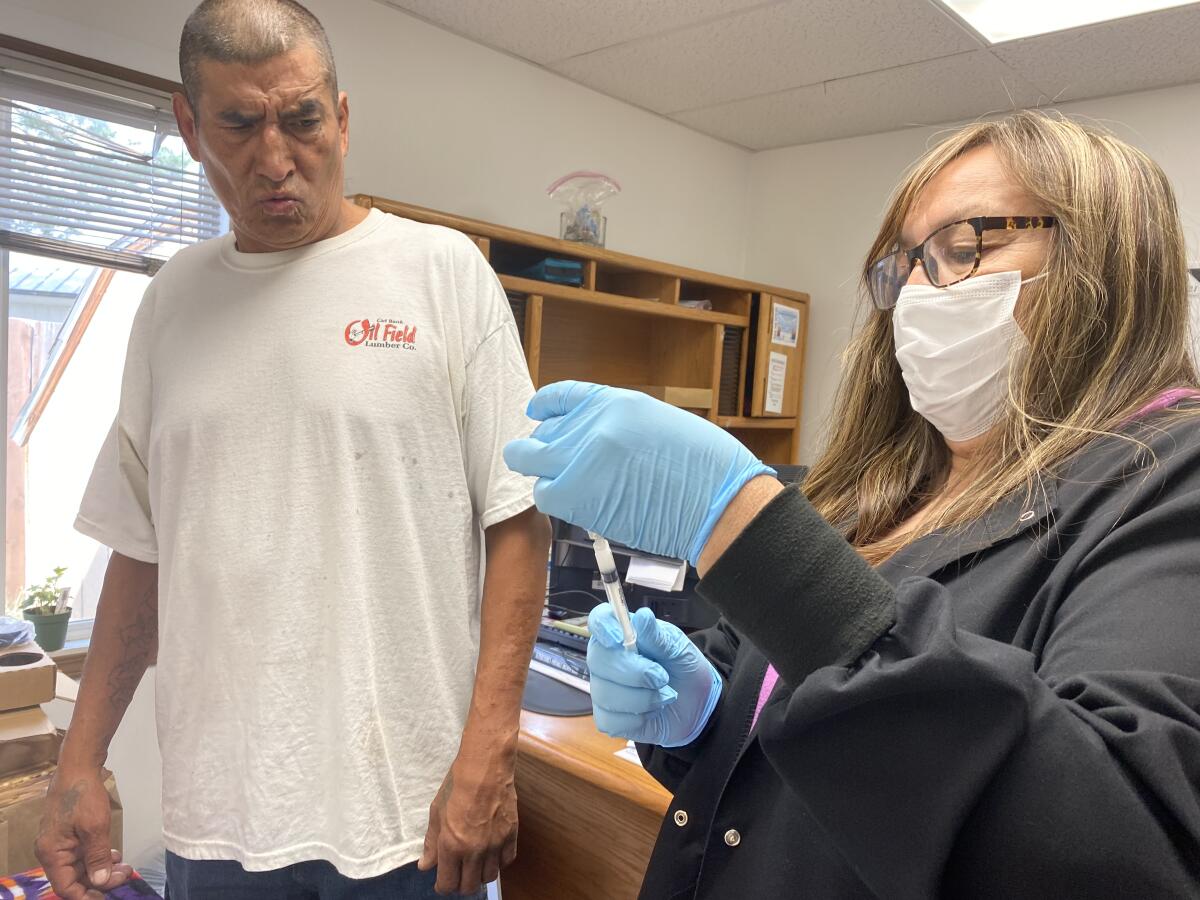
{"x": 954, "y": 345}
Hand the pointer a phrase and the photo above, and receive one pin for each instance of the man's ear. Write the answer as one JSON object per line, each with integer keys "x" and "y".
{"x": 185, "y": 118}
{"x": 343, "y": 115}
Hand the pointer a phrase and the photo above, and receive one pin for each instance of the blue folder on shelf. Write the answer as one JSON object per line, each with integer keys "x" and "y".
{"x": 558, "y": 271}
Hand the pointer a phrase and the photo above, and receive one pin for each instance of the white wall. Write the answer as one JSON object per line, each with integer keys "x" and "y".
{"x": 815, "y": 210}
{"x": 439, "y": 121}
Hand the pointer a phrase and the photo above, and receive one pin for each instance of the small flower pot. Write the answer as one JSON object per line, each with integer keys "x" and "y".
{"x": 50, "y": 629}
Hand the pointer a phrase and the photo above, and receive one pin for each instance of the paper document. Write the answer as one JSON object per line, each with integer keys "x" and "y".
{"x": 660, "y": 574}
{"x": 776, "y": 378}
{"x": 560, "y": 675}
{"x": 629, "y": 754}
{"x": 785, "y": 325}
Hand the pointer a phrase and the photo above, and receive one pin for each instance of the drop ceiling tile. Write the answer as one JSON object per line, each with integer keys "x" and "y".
{"x": 798, "y": 116}
{"x": 543, "y": 31}
{"x": 767, "y": 49}
{"x": 1154, "y": 50}
{"x": 955, "y": 88}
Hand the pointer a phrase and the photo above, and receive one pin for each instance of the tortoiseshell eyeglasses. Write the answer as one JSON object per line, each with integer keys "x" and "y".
{"x": 949, "y": 255}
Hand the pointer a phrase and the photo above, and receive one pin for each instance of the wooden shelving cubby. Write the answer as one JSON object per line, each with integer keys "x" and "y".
{"x": 696, "y": 339}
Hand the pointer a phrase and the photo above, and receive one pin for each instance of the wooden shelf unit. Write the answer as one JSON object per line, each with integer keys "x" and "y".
{"x": 743, "y": 422}
{"x": 634, "y": 321}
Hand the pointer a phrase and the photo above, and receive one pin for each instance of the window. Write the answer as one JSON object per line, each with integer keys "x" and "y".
{"x": 96, "y": 192}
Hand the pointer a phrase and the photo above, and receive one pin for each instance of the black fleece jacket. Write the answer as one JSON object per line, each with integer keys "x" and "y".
{"x": 1012, "y": 711}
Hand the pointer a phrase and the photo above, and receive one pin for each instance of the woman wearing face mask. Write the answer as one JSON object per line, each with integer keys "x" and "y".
{"x": 964, "y": 659}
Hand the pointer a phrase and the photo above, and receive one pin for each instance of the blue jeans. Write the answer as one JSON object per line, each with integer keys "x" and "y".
{"x": 218, "y": 879}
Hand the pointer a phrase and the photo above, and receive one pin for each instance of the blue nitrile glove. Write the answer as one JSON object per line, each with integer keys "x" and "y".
{"x": 661, "y": 693}
{"x": 624, "y": 465}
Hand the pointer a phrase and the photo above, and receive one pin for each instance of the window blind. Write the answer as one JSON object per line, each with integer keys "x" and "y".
{"x": 99, "y": 176}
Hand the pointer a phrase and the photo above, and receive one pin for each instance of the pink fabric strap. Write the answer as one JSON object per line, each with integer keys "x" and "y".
{"x": 1165, "y": 399}
{"x": 768, "y": 685}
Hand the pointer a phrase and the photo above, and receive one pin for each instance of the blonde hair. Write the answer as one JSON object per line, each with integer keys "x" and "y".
{"x": 1107, "y": 330}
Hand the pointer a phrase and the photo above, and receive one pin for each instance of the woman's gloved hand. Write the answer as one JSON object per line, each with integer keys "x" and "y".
{"x": 661, "y": 693}
{"x": 624, "y": 465}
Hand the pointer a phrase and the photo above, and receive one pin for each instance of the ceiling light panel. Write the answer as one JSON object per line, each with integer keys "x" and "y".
{"x": 1008, "y": 20}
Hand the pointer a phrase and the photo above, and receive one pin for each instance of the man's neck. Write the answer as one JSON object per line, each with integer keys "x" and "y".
{"x": 349, "y": 215}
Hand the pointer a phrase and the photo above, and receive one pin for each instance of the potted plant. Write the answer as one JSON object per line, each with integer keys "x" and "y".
{"x": 45, "y": 605}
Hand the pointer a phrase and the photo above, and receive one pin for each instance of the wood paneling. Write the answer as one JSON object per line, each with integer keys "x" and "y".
{"x": 588, "y": 819}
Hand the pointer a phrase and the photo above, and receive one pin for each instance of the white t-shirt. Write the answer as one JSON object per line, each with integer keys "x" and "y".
{"x": 308, "y": 445}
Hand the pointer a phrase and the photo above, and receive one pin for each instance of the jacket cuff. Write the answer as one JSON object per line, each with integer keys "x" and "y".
{"x": 798, "y": 590}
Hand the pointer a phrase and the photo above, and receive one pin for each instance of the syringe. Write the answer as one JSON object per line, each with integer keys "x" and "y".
{"x": 612, "y": 587}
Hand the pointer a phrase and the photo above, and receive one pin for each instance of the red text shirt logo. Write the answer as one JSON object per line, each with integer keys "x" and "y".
{"x": 388, "y": 333}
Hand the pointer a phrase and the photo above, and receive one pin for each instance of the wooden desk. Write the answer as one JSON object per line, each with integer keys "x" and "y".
{"x": 588, "y": 819}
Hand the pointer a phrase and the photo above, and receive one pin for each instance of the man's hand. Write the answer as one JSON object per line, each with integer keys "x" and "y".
{"x": 73, "y": 845}
{"x": 472, "y": 824}
{"x": 473, "y": 819}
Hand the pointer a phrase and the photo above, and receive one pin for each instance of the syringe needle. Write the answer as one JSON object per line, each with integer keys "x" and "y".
{"x": 612, "y": 587}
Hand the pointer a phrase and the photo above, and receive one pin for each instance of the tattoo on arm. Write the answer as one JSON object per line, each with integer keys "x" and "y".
{"x": 139, "y": 647}
{"x": 71, "y": 798}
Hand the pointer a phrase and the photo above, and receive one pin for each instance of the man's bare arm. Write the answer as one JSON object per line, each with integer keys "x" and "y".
{"x": 473, "y": 822}
{"x": 73, "y": 845}
{"x": 124, "y": 644}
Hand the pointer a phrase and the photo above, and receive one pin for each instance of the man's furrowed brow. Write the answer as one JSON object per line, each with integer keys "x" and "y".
{"x": 234, "y": 117}
{"x": 306, "y": 109}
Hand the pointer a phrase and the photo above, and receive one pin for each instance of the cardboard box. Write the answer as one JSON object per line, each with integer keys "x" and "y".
{"x": 22, "y": 797}
{"x": 28, "y": 740}
{"x": 26, "y": 677}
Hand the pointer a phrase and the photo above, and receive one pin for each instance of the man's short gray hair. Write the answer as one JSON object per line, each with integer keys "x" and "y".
{"x": 248, "y": 32}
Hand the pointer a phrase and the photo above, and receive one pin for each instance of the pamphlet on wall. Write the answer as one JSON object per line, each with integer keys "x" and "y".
{"x": 776, "y": 379}
{"x": 785, "y": 325}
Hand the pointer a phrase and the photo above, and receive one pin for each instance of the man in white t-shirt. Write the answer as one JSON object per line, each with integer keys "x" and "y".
{"x": 303, "y": 471}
